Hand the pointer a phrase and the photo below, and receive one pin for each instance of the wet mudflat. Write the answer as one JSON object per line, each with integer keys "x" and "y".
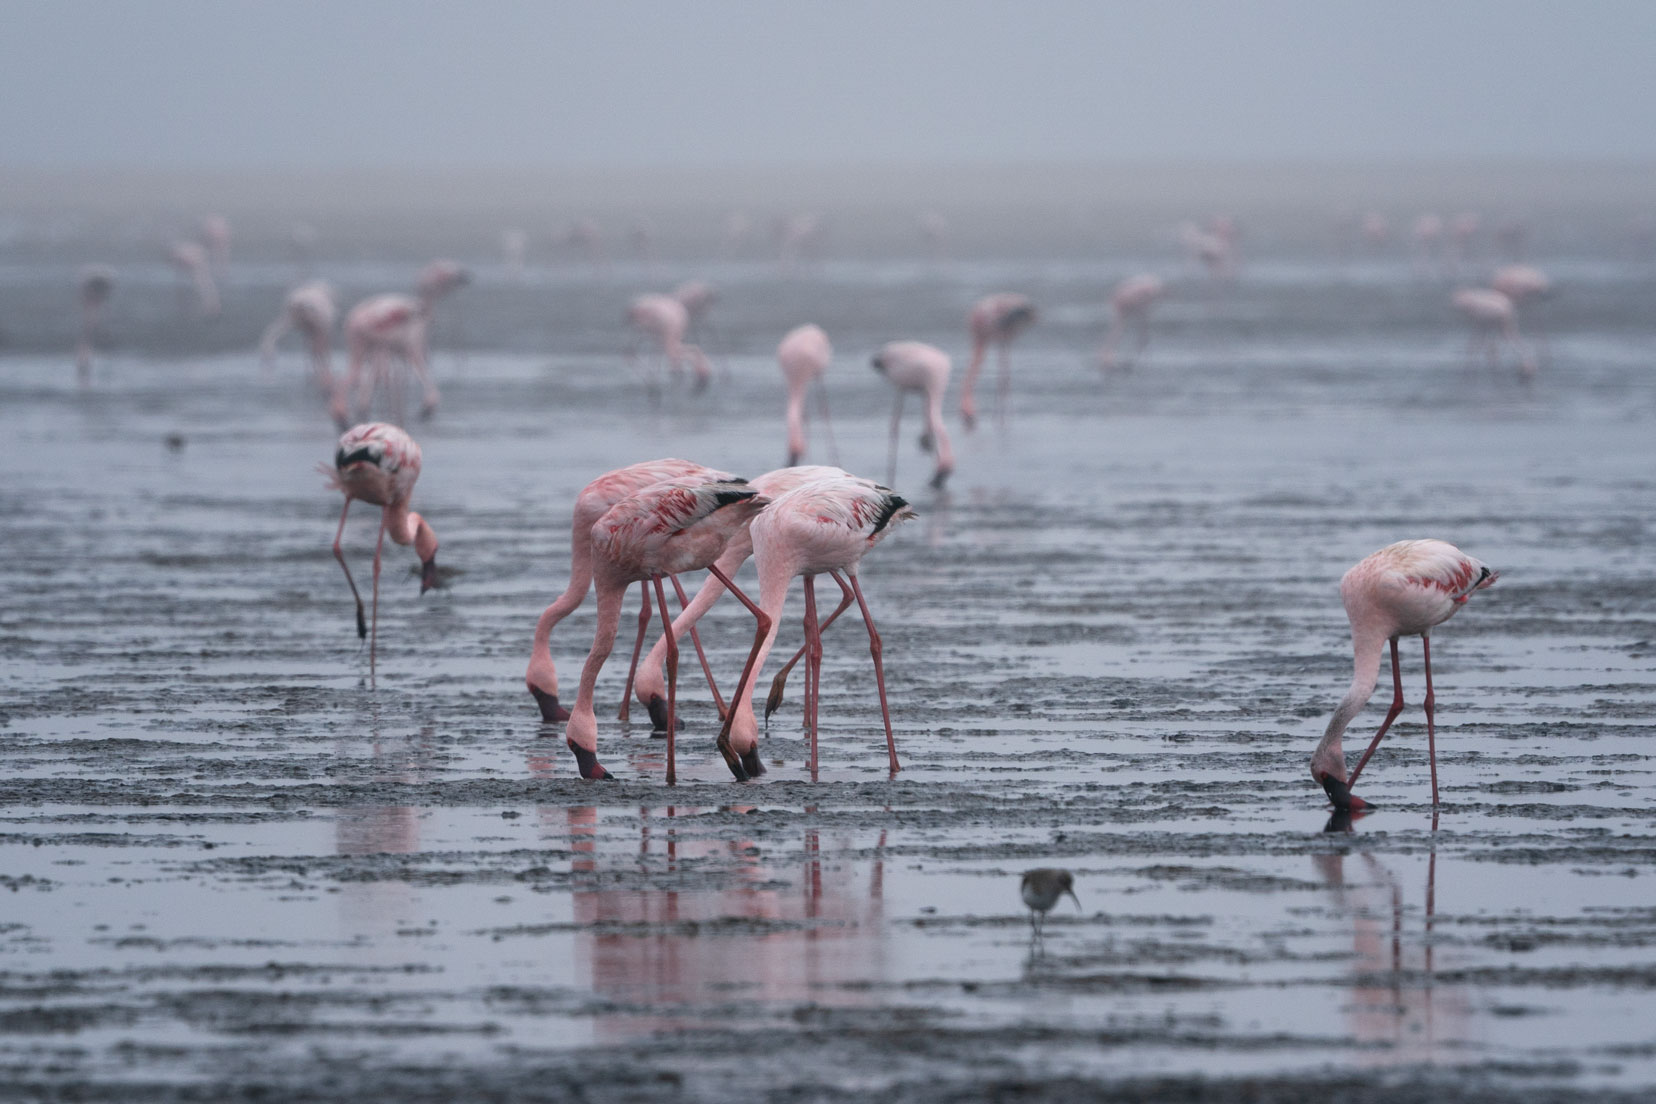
{"x": 234, "y": 869}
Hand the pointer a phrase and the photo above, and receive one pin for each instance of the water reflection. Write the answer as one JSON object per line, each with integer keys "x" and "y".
{"x": 672, "y": 915}
{"x": 1396, "y": 1012}
{"x": 369, "y": 906}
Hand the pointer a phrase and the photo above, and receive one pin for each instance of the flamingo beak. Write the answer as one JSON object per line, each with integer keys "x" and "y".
{"x": 428, "y": 575}
{"x": 588, "y": 762}
{"x": 732, "y": 760}
{"x": 1340, "y": 794}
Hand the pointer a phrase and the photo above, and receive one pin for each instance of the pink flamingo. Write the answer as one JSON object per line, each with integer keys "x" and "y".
{"x": 665, "y": 529}
{"x": 97, "y": 283}
{"x": 309, "y": 308}
{"x": 1215, "y": 247}
{"x": 1402, "y": 590}
{"x": 916, "y": 366}
{"x": 825, "y": 525}
{"x": 665, "y": 319}
{"x": 1130, "y": 305}
{"x": 1521, "y": 283}
{"x": 1375, "y": 229}
{"x": 380, "y": 464}
{"x": 378, "y": 329}
{"x": 804, "y": 354}
{"x": 215, "y": 234}
{"x": 1463, "y": 233}
{"x": 993, "y": 320}
{"x": 440, "y": 279}
{"x": 594, "y": 501}
{"x": 190, "y": 259}
{"x": 1494, "y": 321}
{"x": 649, "y": 687}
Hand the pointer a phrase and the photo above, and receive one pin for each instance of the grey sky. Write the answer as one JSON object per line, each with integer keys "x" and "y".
{"x": 300, "y": 83}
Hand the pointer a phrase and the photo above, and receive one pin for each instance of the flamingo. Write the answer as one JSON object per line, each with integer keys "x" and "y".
{"x": 1520, "y": 283}
{"x": 1494, "y": 319}
{"x": 1130, "y": 305}
{"x": 215, "y": 234}
{"x": 379, "y": 464}
{"x": 666, "y": 319}
{"x": 440, "y": 279}
{"x": 97, "y": 283}
{"x": 916, "y": 366}
{"x": 595, "y": 500}
{"x": 1402, "y": 590}
{"x": 665, "y": 529}
{"x": 825, "y": 525}
{"x": 804, "y": 354}
{"x": 190, "y": 259}
{"x": 649, "y": 687}
{"x": 376, "y": 330}
{"x": 993, "y": 320}
{"x": 309, "y": 308}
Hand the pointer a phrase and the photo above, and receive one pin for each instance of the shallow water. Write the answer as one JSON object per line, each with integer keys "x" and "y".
{"x": 236, "y": 867}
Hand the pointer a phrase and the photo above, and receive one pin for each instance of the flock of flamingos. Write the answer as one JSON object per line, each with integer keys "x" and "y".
{"x": 650, "y": 522}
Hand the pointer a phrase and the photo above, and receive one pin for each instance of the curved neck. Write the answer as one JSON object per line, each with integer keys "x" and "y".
{"x": 1329, "y": 756}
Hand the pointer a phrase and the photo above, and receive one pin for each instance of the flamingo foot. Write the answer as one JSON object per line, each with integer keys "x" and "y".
{"x": 588, "y": 762}
{"x": 657, "y": 705}
{"x": 551, "y": 711}
{"x": 1340, "y": 794}
{"x": 732, "y": 760}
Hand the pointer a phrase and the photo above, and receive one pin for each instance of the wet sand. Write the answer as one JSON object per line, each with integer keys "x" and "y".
{"x": 237, "y": 871}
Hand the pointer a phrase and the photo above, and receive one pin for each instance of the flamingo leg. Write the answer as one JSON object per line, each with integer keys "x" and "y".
{"x": 684, "y": 600}
{"x": 1431, "y": 701}
{"x": 813, "y": 668}
{"x": 672, "y": 680}
{"x": 1003, "y": 389}
{"x": 875, "y": 649}
{"x": 746, "y": 766}
{"x": 891, "y": 453}
{"x": 625, "y": 712}
{"x": 1391, "y": 714}
{"x": 339, "y": 554}
{"x": 827, "y": 426}
{"x": 373, "y": 637}
{"x": 774, "y": 701}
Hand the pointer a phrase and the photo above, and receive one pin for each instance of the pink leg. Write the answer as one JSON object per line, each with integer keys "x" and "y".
{"x": 672, "y": 680}
{"x": 827, "y": 428}
{"x": 373, "y": 639}
{"x": 625, "y": 712}
{"x": 742, "y": 766}
{"x": 339, "y": 554}
{"x": 1431, "y": 701}
{"x": 774, "y": 701}
{"x": 1003, "y": 392}
{"x": 875, "y": 649}
{"x": 813, "y": 668}
{"x": 684, "y": 601}
{"x": 1391, "y": 714}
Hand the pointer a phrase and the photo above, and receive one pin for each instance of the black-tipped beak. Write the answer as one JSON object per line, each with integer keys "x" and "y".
{"x": 1074, "y": 898}
{"x": 428, "y": 575}
{"x": 732, "y": 760}
{"x": 588, "y": 762}
{"x": 1339, "y": 793}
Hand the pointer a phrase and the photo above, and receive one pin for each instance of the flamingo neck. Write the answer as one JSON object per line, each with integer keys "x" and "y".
{"x": 1329, "y": 757}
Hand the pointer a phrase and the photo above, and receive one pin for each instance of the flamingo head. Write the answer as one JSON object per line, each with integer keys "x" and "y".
{"x": 1339, "y": 793}
{"x": 588, "y": 762}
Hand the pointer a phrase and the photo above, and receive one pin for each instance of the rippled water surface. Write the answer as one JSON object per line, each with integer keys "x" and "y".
{"x": 235, "y": 867}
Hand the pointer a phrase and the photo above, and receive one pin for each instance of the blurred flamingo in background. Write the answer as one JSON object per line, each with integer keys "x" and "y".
{"x": 215, "y": 235}
{"x": 310, "y": 309}
{"x": 97, "y": 283}
{"x": 1494, "y": 321}
{"x": 1405, "y": 589}
{"x": 665, "y": 529}
{"x": 914, "y": 366}
{"x": 379, "y": 330}
{"x": 379, "y": 464}
{"x": 665, "y": 319}
{"x": 804, "y": 354}
{"x": 993, "y": 320}
{"x": 1427, "y": 234}
{"x": 190, "y": 261}
{"x": 1130, "y": 305}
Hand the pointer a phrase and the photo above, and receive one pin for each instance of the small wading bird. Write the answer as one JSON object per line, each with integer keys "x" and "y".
{"x": 993, "y": 320}
{"x": 665, "y": 529}
{"x": 1130, "y": 305}
{"x": 804, "y": 354}
{"x": 379, "y": 464}
{"x": 1402, "y": 590}
{"x": 1041, "y": 889}
{"x": 594, "y": 501}
{"x": 924, "y": 369}
{"x": 825, "y": 525}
